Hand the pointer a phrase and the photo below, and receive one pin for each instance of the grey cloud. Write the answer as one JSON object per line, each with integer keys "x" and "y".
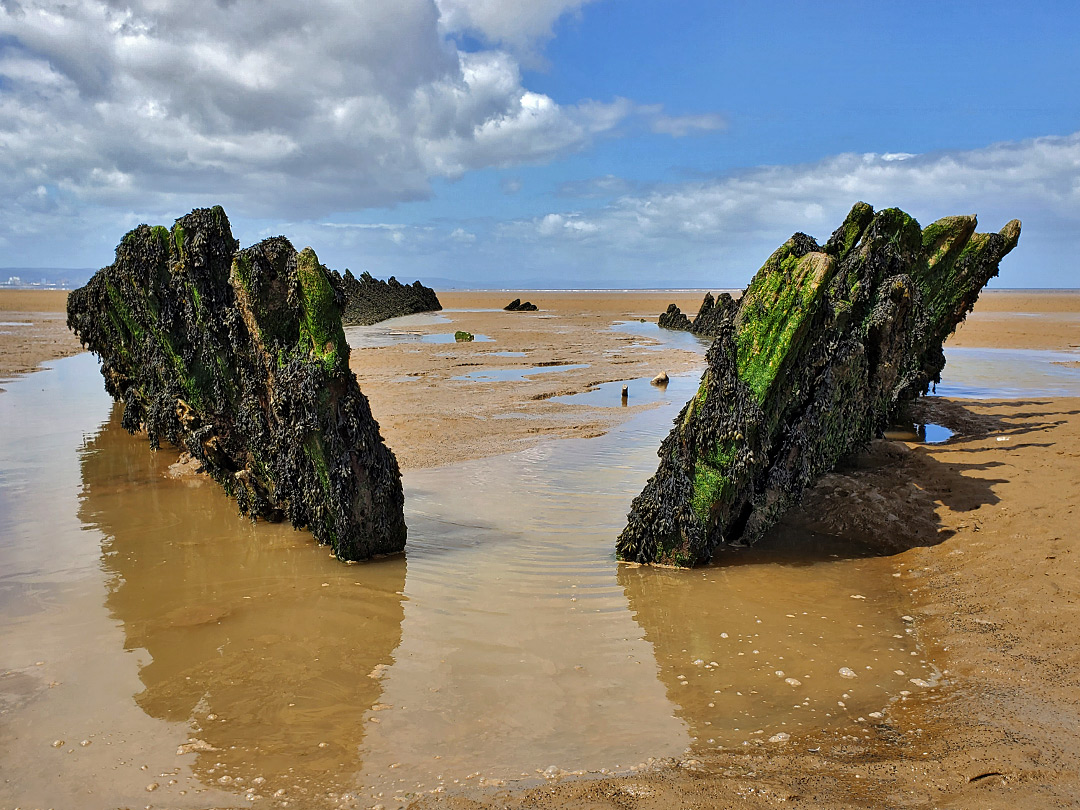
{"x": 271, "y": 107}
{"x": 715, "y": 232}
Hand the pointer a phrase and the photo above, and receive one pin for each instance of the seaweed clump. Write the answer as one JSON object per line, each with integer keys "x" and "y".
{"x": 369, "y": 300}
{"x": 238, "y": 357}
{"x": 808, "y": 366}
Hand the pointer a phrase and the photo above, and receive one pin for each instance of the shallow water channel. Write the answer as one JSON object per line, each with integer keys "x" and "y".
{"x": 157, "y": 649}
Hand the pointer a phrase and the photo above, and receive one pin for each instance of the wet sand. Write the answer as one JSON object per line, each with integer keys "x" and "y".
{"x": 33, "y": 330}
{"x": 430, "y": 416}
{"x": 1010, "y": 319}
{"x": 992, "y": 592}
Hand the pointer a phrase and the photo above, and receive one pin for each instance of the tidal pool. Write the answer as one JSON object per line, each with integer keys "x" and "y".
{"x": 976, "y": 373}
{"x": 667, "y": 337}
{"x": 391, "y": 332}
{"x": 512, "y": 374}
{"x": 927, "y": 433}
{"x": 204, "y": 659}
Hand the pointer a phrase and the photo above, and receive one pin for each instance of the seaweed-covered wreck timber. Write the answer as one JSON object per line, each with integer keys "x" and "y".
{"x": 808, "y": 366}
{"x": 238, "y": 356}
{"x": 369, "y": 300}
{"x": 710, "y": 319}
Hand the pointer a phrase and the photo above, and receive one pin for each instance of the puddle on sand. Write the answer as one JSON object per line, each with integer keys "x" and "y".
{"x": 765, "y": 647}
{"x": 928, "y": 433}
{"x": 511, "y": 374}
{"x": 449, "y": 337}
{"x": 639, "y": 391}
{"x": 972, "y": 373}
{"x": 396, "y": 331}
{"x": 506, "y": 641}
{"x": 393, "y": 331}
{"x": 669, "y": 338}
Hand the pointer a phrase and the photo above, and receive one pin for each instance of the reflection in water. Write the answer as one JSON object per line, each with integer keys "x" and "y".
{"x": 667, "y": 337}
{"x": 756, "y": 646}
{"x": 511, "y": 374}
{"x": 924, "y": 433}
{"x": 255, "y": 637}
{"x": 975, "y": 373}
{"x": 393, "y": 331}
{"x": 514, "y": 643}
{"x": 609, "y": 394}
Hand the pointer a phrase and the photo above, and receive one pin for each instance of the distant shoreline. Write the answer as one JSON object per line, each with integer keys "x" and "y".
{"x": 67, "y": 287}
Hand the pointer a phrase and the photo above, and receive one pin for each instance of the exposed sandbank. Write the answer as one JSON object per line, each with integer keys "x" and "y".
{"x": 995, "y": 601}
{"x": 33, "y": 330}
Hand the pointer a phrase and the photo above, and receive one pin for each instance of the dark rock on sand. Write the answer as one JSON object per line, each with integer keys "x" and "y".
{"x": 712, "y": 315}
{"x": 369, "y": 300}
{"x": 808, "y": 366}
{"x": 239, "y": 358}
{"x": 674, "y": 318}
{"x": 517, "y": 306}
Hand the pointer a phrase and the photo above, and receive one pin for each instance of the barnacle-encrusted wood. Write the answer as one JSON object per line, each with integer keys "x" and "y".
{"x": 710, "y": 318}
{"x": 238, "y": 356}
{"x": 809, "y": 365}
{"x": 369, "y": 300}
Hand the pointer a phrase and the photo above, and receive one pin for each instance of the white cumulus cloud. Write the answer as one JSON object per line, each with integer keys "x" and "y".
{"x": 718, "y": 231}
{"x": 518, "y": 26}
{"x": 270, "y": 107}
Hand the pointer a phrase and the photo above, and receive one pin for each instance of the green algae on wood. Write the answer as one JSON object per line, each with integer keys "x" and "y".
{"x": 808, "y": 366}
{"x": 239, "y": 357}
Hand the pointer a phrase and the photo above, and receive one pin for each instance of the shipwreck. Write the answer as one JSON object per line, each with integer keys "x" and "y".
{"x": 239, "y": 357}
{"x": 809, "y": 365}
{"x": 369, "y": 300}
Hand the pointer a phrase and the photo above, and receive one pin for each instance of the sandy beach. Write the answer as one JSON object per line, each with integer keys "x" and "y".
{"x": 979, "y": 534}
{"x": 34, "y": 330}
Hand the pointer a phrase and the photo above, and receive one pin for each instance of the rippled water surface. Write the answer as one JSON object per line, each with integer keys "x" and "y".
{"x": 511, "y": 374}
{"x": 975, "y": 373}
{"x": 208, "y": 659}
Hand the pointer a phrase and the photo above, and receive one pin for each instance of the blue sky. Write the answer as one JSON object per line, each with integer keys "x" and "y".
{"x": 560, "y": 143}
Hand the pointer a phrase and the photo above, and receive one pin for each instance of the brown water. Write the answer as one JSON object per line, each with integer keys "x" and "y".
{"x": 140, "y": 614}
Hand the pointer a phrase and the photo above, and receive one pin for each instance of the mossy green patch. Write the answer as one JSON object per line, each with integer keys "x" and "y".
{"x": 320, "y": 313}
{"x": 161, "y": 233}
{"x": 777, "y": 310}
{"x": 951, "y": 246}
{"x": 711, "y": 478}
{"x": 679, "y": 557}
{"x": 178, "y": 241}
{"x": 853, "y": 228}
{"x": 709, "y": 489}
